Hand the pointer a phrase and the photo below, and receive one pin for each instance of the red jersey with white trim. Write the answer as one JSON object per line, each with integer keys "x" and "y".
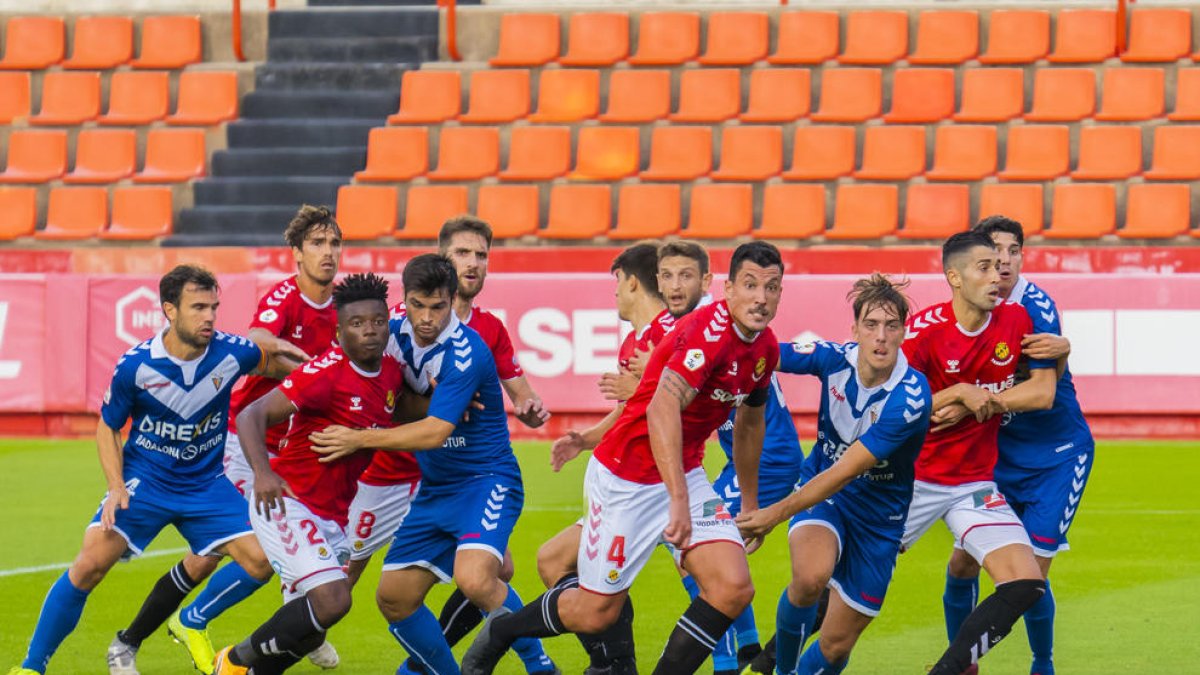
{"x": 706, "y": 349}
{"x": 652, "y": 334}
{"x": 287, "y": 314}
{"x": 330, "y": 390}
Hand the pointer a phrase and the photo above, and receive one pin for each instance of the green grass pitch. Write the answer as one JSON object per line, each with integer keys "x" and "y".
{"x": 1128, "y": 594}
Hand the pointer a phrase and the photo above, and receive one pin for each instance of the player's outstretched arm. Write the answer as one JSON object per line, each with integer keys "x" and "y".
{"x": 749, "y": 430}
{"x": 108, "y": 446}
{"x": 665, "y": 423}
{"x": 253, "y": 423}
{"x": 1036, "y": 393}
{"x": 528, "y": 407}
{"x": 568, "y": 447}
{"x": 336, "y": 442}
{"x": 280, "y": 357}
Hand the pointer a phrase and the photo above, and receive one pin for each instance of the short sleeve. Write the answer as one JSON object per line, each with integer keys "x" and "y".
{"x": 458, "y": 385}
{"x": 904, "y": 418}
{"x": 250, "y": 357}
{"x": 814, "y": 358}
{"x": 271, "y": 315}
{"x": 693, "y": 357}
{"x": 506, "y": 357}
{"x": 307, "y": 389}
{"x": 1042, "y": 312}
{"x": 119, "y": 397}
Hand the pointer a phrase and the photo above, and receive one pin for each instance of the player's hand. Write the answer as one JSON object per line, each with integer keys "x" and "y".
{"x": 566, "y": 449}
{"x": 637, "y": 362}
{"x": 947, "y": 416}
{"x": 618, "y": 386}
{"x": 981, "y": 402}
{"x": 1046, "y": 346}
{"x": 269, "y": 490}
{"x": 754, "y": 525}
{"x": 118, "y": 498}
{"x": 335, "y": 442}
{"x": 678, "y": 532}
{"x": 532, "y": 412}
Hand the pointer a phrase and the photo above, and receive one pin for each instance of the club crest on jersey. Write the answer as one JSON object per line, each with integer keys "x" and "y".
{"x": 733, "y": 369}
{"x": 356, "y": 403}
{"x": 217, "y": 380}
{"x": 952, "y": 366}
{"x": 268, "y": 316}
{"x": 1002, "y": 355}
{"x": 613, "y": 578}
{"x": 390, "y": 404}
{"x": 874, "y": 415}
{"x": 694, "y": 359}
{"x": 760, "y": 368}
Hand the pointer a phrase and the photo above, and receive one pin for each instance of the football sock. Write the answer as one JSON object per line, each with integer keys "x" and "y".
{"x": 614, "y": 643}
{"x": 421, "y": 636}
{"x": 459, "y": 617}
{"x": 162, "y": 602}
{"x": 529, "y": 649}
{"x": 725, "y": 653}
{"x": 746, "y": 628}
{"x": 958, "y": 601}
{"x": 227, "y": 587}
{"x": 690, "y": 585}
{"x": 988, "y": 624}
{"x": 1039, "y": 625}
{"x": 814, "y": 662}
{"x": 793, "y": 625}
{"x": 293, "y": 630}
{"x": 693, "y": 639}
{"x": 60, "y": 614}
{"x": 538, "y": 619}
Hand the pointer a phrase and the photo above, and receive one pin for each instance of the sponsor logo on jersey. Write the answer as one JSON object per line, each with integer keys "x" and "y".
{"x": 833, "y": 390}
{"x": 997, "y": 387}
{"x": 806, "y": 348}
{"x": 180, "y": 432}
{"x": 268, "y": 316}
{"x": 952, "y": 365}
{"x": 694, "y": 359}
{"x": 715, "y": 508}
{"x": 356, "y": 403}
{"x": 726, "y": 397}
{"x": 1002, "y": 355}
{"x": 296, "y": 332}
{"x": 733, "y": 369}
{"x": 988, "y": 499}
{"x": 287, "y": 384}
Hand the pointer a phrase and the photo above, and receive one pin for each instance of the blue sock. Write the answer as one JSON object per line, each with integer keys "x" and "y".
{"x": 793, "y": 625}
{"x": 227, "y": 587}
{"x": 814, "y": 662}
{"x": 60, "y": 614}
{"x": 746, "y": 629}
{"x": 1039, "y": 625}
{"x": 725, "y": 653}
{"x": 529, "y": 649}
{"x": 958, "y": 602}
{"x": 690, "y": 585}
{"x": 421, "y": 636}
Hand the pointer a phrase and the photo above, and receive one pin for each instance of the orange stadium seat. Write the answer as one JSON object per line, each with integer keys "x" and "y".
{"x": 367, "y": 212}
{"x": 1156, "y": 211}
{"x": 75, "y": 213}
{"x": 750, "y": 153}
{"x": 736, "y": 38}
{"x": 426, "y": 207}
{"x": 667, "y": 39}
{"x": 101, "y": 43}
{"x": 792, "y": 211}
{"x": 720, "y": 211}
{"x": 14, "y": 97}
{"x": 935, "y": 211}
{"x": 1017, "y": 36}
{"x": 864, "y": 211}
{"x": 169, "y": 42}
{"x": 850, "y": 95}
{"x": 578, "y": 212}
{"x": 778, "y": 95}
{"x": 679, "y": 153}
{"x": 892, "y": 153}
{"x": 822, "y": 153}
{"x": 947, "y": 37}
{"x": 206, "y": 97}
{"x": 1187, "y": 96}
{"x": 35, "y": 156}
{"x": 963, "y": 152}
{"x": 68, "y": 99}
{"x": 596, "y": 39}
{"x": 647, "y": 212}
{"x": 805, "y": 38}
{"x": 710, "y": 95}
{"x": 921, "y": 95}
{"x": 1109, "y": 152}
{"x": 607, "y": 153}
{"x": 876, "y": 37}
{"x": 428, "y": 97}
{"x": 136, "y": 98}
{"x": 567, "y": 96}
{"x": 173, "y": 156}
{"x": 1159, "y": 35}
{"x": 143, "y": 213}
{"x": 467, "y": 153}
{"x": 1084, "y": 36}
{"x": 638, "y": 96}
{"x": 511, "y": 210}
{"x": 1020, "y": 201}
{"x": 991, "y": 95}
{"x": 18, "y": 212}
{"x": 538, "y": 153}
{"x": 104, "y": 156}
{"x": 33, "y": 42}
{"x": 528, "y": 39}
{"x": 497, "y": 96}
{"x": 1175, "y": 156}
{"x": 1082, "y": 211}
{"x": 1132, "y": 94}
{"x": 1037, "y": 152}
{"x": 1063, "y": 95}
{"x": 395, "y": 154}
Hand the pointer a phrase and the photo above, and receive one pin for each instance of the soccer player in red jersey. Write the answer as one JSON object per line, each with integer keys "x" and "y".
{"x": 645, "y": 482}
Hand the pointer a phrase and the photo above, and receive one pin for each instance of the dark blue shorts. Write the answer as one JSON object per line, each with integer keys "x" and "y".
{"x": 1047, "y": 499}
{"x": 772, "y": 487}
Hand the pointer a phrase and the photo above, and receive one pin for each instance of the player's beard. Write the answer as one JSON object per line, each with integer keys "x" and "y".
{"x": 192, "y": 339}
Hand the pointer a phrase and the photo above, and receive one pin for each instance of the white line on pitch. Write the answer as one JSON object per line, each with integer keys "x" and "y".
{"x": 62, "y": 566}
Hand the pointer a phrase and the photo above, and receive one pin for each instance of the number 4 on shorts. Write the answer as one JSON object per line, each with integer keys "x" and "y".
{"x": 616, "y": 552}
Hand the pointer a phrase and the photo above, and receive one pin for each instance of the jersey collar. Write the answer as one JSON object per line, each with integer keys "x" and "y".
{"x": 407, "y": 329}
{"x": 898, "y": 372}
{"x": 1018, "y": 291}
{"x": 310, "y": 303}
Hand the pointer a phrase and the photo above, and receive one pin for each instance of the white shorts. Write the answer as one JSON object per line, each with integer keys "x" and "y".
{"x": 977, "y": 514}
{"x": 625, "y": 522}
{"x": 305, "y": 549}
{"x": 237, "y": 469}
{"x": 376, "y": 514}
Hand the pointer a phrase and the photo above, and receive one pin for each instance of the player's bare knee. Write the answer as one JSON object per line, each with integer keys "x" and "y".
{"x": 1012, "y": 563}
{"x": 257, "y": 566}
{"x": 394, "y": 607}
{"x": 806, "y": 588}
{"x": 507, "y": 569}
{"x": 199, "y": 567}
{"x": 330, "y": 602}
{"x": 962, "y": 565}
{"x": 596, "y": 619}
{"x": 731, "y": 597}
{"x": 87, "y": 571}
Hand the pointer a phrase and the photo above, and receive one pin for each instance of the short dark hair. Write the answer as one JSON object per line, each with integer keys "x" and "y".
{"x": 993, "y": 224}
{"x": 307, "y": 219}
{"x": 640, "y": 261}
{"x": 356, "y": 287}
{"x": 685, "y": 249}
{"x": 170, "y": 287}
{"x": 878, "y": 290}
{"x": 963, "y": 242}
{"x": 463, "y": 224}
{"x": 758, "y": 252}
{"x": 429, "y": 273}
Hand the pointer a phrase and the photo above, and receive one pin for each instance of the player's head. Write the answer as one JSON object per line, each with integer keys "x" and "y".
{"x": 880, "y": 311}
{"x": 683, "y": 275}
{"x": 636, "y": 269}
{"x": 466, "y": 240}
{"x": 362, "y": 310}
{"x": 430, "y": 283}
{"x": 189, "y": 295}
{"x": 1009, "y": 238}
{"x": 316, "y": 241}
{"x": 971, "y": 264}
{"x": 755, "y": 285}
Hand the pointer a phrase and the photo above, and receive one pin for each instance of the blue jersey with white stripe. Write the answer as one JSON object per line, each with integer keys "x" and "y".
{"x": 781, "y": 453}
{"x": 180, "y": 409}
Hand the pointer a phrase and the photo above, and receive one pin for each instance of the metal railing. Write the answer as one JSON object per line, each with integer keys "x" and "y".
{"x": 237, "y": 27}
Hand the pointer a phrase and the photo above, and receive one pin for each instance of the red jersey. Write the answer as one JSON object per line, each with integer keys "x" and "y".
{"x": 329, "y": 390}
{"x": 649, "y": 337}
{"x": 947, "y": 354}
{"x": 706, "y": 350}
{"x": 287, "y": 314}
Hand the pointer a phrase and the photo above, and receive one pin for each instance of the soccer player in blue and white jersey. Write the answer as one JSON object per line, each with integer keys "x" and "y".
{"x": 175, "y": 388}
{"x": 847, "y": 520}
{"x": 471, "y": 491}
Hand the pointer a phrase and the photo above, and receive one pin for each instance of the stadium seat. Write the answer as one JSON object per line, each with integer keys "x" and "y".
{"x": 963, "y": 152}
{"x": 367, "y": 212}
{"x": 1082, "y": 211}
{"x": 35, "y": 156}
{"x": 567, "y": 96}
{"x": 709, "y": 95}
{"x": 1154, "y": 211}
{"x": 142, "y": 213}
{"x": 1175, "y": 156}
{"x": 596, "y": 39}
{"x": 428, "y": 97}
{"x": 33, "y": 42}
{"x": 667, "y": 39}
{"x": 18, "y": 212}
{"x": 395, "y": 154}
{"x": 991, "y": 95}
{"x": 1109, "y": 152}
{"x": 1187, "y": 96}
{"x": 1037, "y": 152}
{"x": 864, "y": 211}
{"x": 511, "y": 210}
{"x": 1159, "y": 35}
{"x": 1017, "y": 36}
{"x": 792, "y": 211}
{"x": 892, "y": 153}
{"x": 104, "y": 156}
{"x": 169, "y": 42}
{"x": 946, "y": 37}
{"x": 527, "y": 39}
{"x": 467, "y": 154}
{"x": 75, "y": 213}
{"x": 101, "y": 43}
{"x": 679, "y": 153}
{"x": 736, "y": 38}
{"x": 607, "y": 153}
{"x": 206, "y": 97}
{"x": 14, "y": 97}
{"x": 1020, "y": 201}
{"x": 1131, "y": 94}
{"x": 778, "y": 95}
{"x": 750, "y": 153}
{"x": 850, "y": 95}
{"x": 578, "y": 212}
{"x": 921, "y": 96}
{"x": 877, "y": 37}
{"x": 647, "y": 212}
{"x": 136, "y": 98}
{"x": 68, "y": 99}
{"x": 935, "y": 211}
{"x": 497, "y": 96}
{"x": 427, "y": 207}
{"x": 805, "y": 38}
{"x": 720, "y": 211}
{"x": 173, "y": 156}
{"x": 1063, "y": 95}
{"x": 1084, "y": 36}
{"x": 822, "y": 153}
{"x": 538, "y": 153}
{"x": 638, "y": 96}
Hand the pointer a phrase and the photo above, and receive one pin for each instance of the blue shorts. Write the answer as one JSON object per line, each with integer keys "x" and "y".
{"x": 1046, "y": 499}
{"x": 866, "y": 554}
{"x": 207, "y": 516}
{"x": 477, "y": 514}
{"x": 772, "y": 487}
